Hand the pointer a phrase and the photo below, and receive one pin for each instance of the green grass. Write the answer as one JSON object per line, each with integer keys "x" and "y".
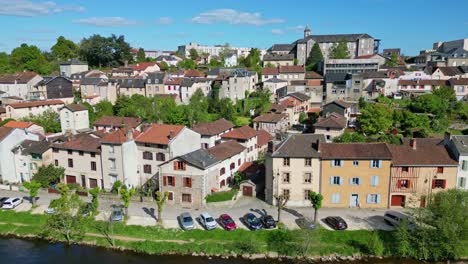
{"x": 221, "y": 196}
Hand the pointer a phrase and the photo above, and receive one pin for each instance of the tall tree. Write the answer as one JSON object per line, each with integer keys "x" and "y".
{"x": 163, "y": 66}
{"x": 101, "y": 51}
{"x": 281, "y": 201}
{"x": 48, "y": 175}
{"x": 315, "y": 58}
{"x": 64, "y": 49}
{"x": 49, "y": 120}
{"x": 141, "y": 57}
{"x": 187, "y": 64}
{"x": 33, "y": 188}
{"x": 125, "y": 196}
{"x": 160, "y": 201}
{"x": 29, "y": 58}
{"x": 193, "y": 54}
{"x": 340, "y": 51}
{"x": 316, "y": 201}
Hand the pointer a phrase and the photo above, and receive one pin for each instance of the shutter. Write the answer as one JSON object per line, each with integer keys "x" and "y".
{"x": 369, "y": 197}
{"x": 444, "y": 184}
{"x": 337, "y": 198}
{"x": 433, "y": 184}
{"x": 465, "y": 165}
{"x": 332, "y": 162}
{"x": 351, "y": 181}
{"x": 378, "y": 198}
{"x": 190, "y": 182}
{"x": 408, "y": 182}
{"x": 173, "y": 181}
{"x": 380, "y": 164}
{"x": 399, "y": 184}
{"x": 331, "y": 180}
{"x": 341, "y": 180}
{"x": 358, "y": 181}
{"x": 333, "y": 198}
{"x": 164, "y": 180}
{"x": 175, "y": 165}
{"x": 376, "y": 181}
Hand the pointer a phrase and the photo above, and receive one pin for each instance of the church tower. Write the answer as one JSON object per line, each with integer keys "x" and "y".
{"x": 306, "y": 31}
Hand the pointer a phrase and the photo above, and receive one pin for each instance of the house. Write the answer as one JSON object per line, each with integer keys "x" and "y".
{"x": 460, "y": 85}
{"x": 77, "y": 78}
{"x": 331, "y": 126}
{"x": 355, "y": 175}
{"x": 67, "y": 68}
{"x": 231, "y": 155}
{"x": 159, "y": 142}
{"x": 292, "y": 168}
{"x": 271, "y": 122}
{"x": 145, "y": 67}
{"x": 80, "y": 155}
{"x": 337, "y": 86}
{"x": 278, "y": 59}
{"x": 236, "y": 83}
{"x": 131, "y": 86}
{"x": 272, "y": 85}
{"x": 292, "y": 72}
{"x": 74, "y": 118}
{"x": 445, "y": 73}
{"x": 421, "y": 167}
{"x": 171, "y": 60}
{"x": 172, "y": 85}
{"x": 417, "y": 87}
{"x": 108, "y": 123}
{"x": 189, "y": 86}
{"x": 29, "y": 127}
{"x": 263, "y": 137}
{"x": 155, "y": 83}
{"x": 56, "y": 87}
{"x": 95, "y": 89}
{"x": 269, "y": 73}
{"x": 120, "y": 158}
{"x": 25, "y": 109}
{"x": 230, "y": 59}
{"x": 340, "y": 107}
{"x": 211, "y": 132}
{"x": 458, "y": 146}
{"x": 247, "y": 137}
{"x": 18, "y": 84}
{"x": 371, "y": 85}
{"x": 193, "y": 74}
{"x": 9, "y": 139}
{"x": 29, "y": 156}
{"x": 296, "y": 104}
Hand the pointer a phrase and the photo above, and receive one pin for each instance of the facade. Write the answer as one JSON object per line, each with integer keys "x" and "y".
{"x": 29, "y": 156}
{"x": 331, "y": 126}
{"x": 291, "y": 73}
{"x": 214, "y": 50}
{"x": 355, "y": 175}
{"x": 236, "y": 83}
{"x": 355, "y": 65}
{"x": 230, "y": 60}
{"x": 190, "y": 85}
{"x": 293, "y": 169}
{"x": 18, "y": 84}
{"x": 131, "y": 86}
{"x": 155, "y": 83}
{"x": 460, "y": 85}
{"x": 340, "y": 107}
{"x": 295, "y": 104}
{"x": 271, "y": 122}
{"x": 273, "y": 85}
{"x": 25, "y": 109}
{"x": 247, "y": 137}
{"x": 57, "y": 87}
{"x": 67, "y": 68}
{"x": 231, "y": 155}
{"x": 338, "y": 87}
{"x": 458, "y": 146}
{"x": 269, "y": 73}
{"x": 279, "y": 59}
{"x": 73, "y": 118}
{"x": 108, "y": 123}
{"x": 211, "y": 132}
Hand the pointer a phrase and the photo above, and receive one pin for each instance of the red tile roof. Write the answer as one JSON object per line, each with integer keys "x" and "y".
{"x": 428, "y": 151}
{"x": 292, "y": 69}
{"x": 118, "y": 121}
{"x": 314, "y": 110}
{"x": 355, "y": 151}
{"x": 193, "y": 73}
{"x": 4, "y": 132}
{"x": 461, "y": 81}
{"x": 263, "y": 137}
{"x": 76, "y": 107}
{"x": 226, "y": 150}
{"x": 82, "y": 142}
{"x": 270, "y": 118}
{"x": 18, "y": 124}
{"x": 35, "y": 103}
{"x": 313, "y": 75}
{"x": 334, "y": 120}
{"x": 213, "y": 128}
{"x": 290, "y": 102}
{"x": 423, "y": 82}
{"x": 159, "y": 134}
{"x": 118, "y": 136}
{"x": 365, "y": 56}
{"x": 142, "y": 66}
{"x": 174, "y": 81}
{"x": 270, "y": 71}
{"x": 244, "y": 132}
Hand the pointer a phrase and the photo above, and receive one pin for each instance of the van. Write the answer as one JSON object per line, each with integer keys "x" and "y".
{"x": 394, "y": 218}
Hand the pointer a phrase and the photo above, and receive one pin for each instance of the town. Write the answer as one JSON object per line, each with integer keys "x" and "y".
{"x": 326, "y": 131}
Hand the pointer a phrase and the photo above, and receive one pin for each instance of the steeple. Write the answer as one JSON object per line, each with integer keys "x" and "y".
{"x": 306, "y": 31}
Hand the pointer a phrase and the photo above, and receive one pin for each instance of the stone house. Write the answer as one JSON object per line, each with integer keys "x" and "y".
{"x": 278, "y": 59}
{"x": 29, "y": 156}
{"x": 270, "y": 73}
{"x": 231, "y": 155}
{"x": 18, "y": 84}
{"x": 271, "y": 122}
{"x": 131, "y": 86}
{"x": 155, "y": 83}
{"x": 55, "y": 87}
{"x": 190, "y": 85}
{"x": 331, "y": 126}
{"x": 291, "y": 72}
{"x": 211, "y": 132}
{"x": 29, "y": 127}
{"x": 295, "y": 103}
{"x": 108, "y": 123}
{"x": 236, "y": 83}
{"x": 247, "y": 137}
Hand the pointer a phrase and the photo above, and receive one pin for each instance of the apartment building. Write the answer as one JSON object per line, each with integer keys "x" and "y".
{"x": 458, "y": 146}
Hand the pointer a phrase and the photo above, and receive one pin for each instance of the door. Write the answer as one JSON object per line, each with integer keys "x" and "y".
{"x": 354, "y": 200}
{"x": 247, "y": 191}
{"x": 71, "y": 179}
{"x": 397, "y": 200}
{"x": 92, "y": 183}
{"x": 83, "y": 181}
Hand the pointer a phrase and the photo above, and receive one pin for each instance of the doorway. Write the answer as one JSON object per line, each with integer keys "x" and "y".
{"x": 354, "y": 200}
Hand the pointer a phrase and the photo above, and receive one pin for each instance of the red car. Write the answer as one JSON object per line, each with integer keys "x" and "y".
{"x": 226, "y": 221}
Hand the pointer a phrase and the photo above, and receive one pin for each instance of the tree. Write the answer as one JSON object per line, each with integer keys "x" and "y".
{"x": 281, "y": 201}
{"x": 302, "y": 117}
{"x": 160, "y": 201}
{"x": 103, "y": 108}
{"x": 375, "y": 245}
{"x": 101, "y": 51}
{"x": 239, "y": 177}
{"x": 64, "y": 49}
{"x": 375, "y": 119}
{"x": 29, "y": 58}
{"x": 49, "y": 120}
{"x": 193, "y": 54}
{"x": 340, "y": 51}
{"x": 315, "y": 58}
{"x": 5, "y": 65}
{"x": 95, "y": 199}
{"x": 125, "y": 196}
{"x": 48, "y": 175}
{"x": 349, "y": 137}
{"x": 187, "y": 64}
{"x": 215, "y": 63}
{"x": 270, "y": 65}
{"x": 141, "y": 56}
{"x": 316, "y": 201}
{"x": 163, "y": 66}
{"x": 33, "y": 188}
{"x": 393, "y": 61}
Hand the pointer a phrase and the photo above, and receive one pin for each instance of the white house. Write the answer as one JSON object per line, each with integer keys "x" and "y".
{"x": 25, "y": 109}
{"x": 30, "y": 127}
{"x": 18, "y": 84}
{"x": 67, "y": 68}
{"x": 231, "y": 155}
{"x": 73, "y": 118}
{"x": 247, "y": 137}
{"x": 211, "y": 132}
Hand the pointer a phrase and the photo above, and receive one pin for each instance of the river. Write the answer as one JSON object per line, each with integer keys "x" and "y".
{"x": 18, "y": 251}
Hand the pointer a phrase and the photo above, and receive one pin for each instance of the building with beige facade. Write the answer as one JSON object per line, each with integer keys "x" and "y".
{"x": 247, "y": 137}
{"x": 25, "y": 109}
{"x": 211, "y": 132}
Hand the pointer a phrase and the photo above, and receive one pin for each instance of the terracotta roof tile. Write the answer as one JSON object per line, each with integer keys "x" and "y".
{"x": 159, "y": 134}
{"x": 118, "y": 136}
{"x": 313, "y": 75}
{"x": 334, "y": 120}
{"x": 429, "y": 151}
{"x": 300, "y": 146}
{"x": 81, "y": 142}
{"x": 4, "y": 131}
{"x": 270, "y": 118}
{"x": 292, "y": 69}
{"x": 270, "y": 71}
{"x": 36, "y": 103}
{"x": 142, "y": 66}
{"x": 193, "y": 73}
{"x": 213, "y": 128}
{"x": 174, "y": 81}
{"x": 226, "y": 150}
{"x": 76, "y": 107}
{"x": 263, "y": 137}
{"x": 244, "y": 132}
{"x": 18, "y": 124}
{"x": 118, "y": 121}
{"x": 355, "y": 151}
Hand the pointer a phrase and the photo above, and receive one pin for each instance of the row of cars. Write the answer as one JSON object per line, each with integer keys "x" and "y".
{"x": 226, "y": 222}
{"x": 392, "y": 218}
{"x": 10, "y": 203}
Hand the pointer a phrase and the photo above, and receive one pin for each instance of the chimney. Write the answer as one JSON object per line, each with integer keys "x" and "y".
{"x": 271, "y": 147}
{"x": 447, "y": 136}
{"x": 413, "y": 143}
{"x": 317, "y": 145}
{"x": 171, "y": 134}
{"x": 129, "y": 134}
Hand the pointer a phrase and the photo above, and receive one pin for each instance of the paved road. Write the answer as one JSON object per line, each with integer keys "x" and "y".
{"x": 145, "y": 213}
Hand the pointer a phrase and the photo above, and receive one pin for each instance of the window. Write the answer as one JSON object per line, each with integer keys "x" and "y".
{"x": 187, "y": 182}
{"x": 465, "y": 165}
{"x": 56, "y": 162}
{"x": 147, "y": 168}
{"x": 286, "y": 177}
{"x": 179, "y": 165}
{"x": 286, "y": 161}
{"x": 376, "y": 163}
{"x": 355, "y": 181}
{"x": 286, "y": 194}
{"x": 440, "y": 169}
{"x": 355, "y": 163}
{"x": 404, "y": 169}
{"x": 336, "y": 180}
{"x": 170, "y": 197}
{"x": 307, "y": 177}
{"x": 373, "y": 198}
{"x": 403, "y": 183}
{"x": 111, "y": 149}
{"x": 306, "y": 195}
{"x": 438, "y": 184}
{"x": 160, "y": 156}
{"x": 238, "y": 162}
{"x": 69, "y": 152}
{"x": 336, "y": 198}
{"x": 186, "y": 198}
{"x": 93, "y": 165}
{"x": 147, "y": 155}
{"x": 70, "y": 163}
{"x": 308, "y": 162}
{"x": 81, "y": 153}
{"x": 93, "y": 155}
{"x": 337, "y": 163}
{"x": 55, "y": 150}
{"x": 222, "y": 171}
{"x": 461, "y": 182}
{"x": 232, "y": 166}
{"x": 171, "y": 180}
{"x": 375, "y": 180}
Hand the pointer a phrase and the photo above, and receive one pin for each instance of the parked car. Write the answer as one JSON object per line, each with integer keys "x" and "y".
{"x": 336, "y": 222}
{"x": 268, "y": 221}
{"x": 252, "y": 222}
{"x": 394, "y": 218}
{"x": 11, "y": 203}
{"x": 117, "y": 214}
{"x": 226, "y": 221}
{"x": 50, "y": 211}
{"x": 207, "y": 221}
{"x": 2, "y": 200}
{"x": 186, "y": 221}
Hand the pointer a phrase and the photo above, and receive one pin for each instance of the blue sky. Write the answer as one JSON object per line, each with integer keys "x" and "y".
{"x": 409, "y": 24}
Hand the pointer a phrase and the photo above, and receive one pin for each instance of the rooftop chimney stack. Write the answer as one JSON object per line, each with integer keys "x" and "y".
{"x": 413, "y": 143}
{"x": 447, "y": 136}
{"x": 318, "y": 145}
{"x": 271, "y": 147}
{"x": 171, "y": 134}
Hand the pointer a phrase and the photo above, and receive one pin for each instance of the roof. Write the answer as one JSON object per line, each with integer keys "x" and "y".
{"x": 428, "y": 152}
{"x": 276, "y": 108}
{"x": 159, "y": 134}
{"x": 34, "y": 147}
{"x": 300, "y": 146}
{"x": 334, "y": 120}
{"x": 340, "y": 103}
{"x": 263, "y": 137}
{"x": 244, "y": 132}
{"x": 337, "y": 77}
{"x": 91, "y": 81}
{"x": 292, "y": 69}
{"x": 4, "y": 132}
{"x": 76, "y": 107}
{"x": 270, "y": 71}
{"x": 73, "y": 62}
{"x": 313, "y": 75}
{"x": 47, "y": 79}
{"x": 270, "y": 118}
{"x": 143, "y": 66}
{"x": 213, "y": 128}
{"x": 118, "y": 136}
{"x": 281, "y": 47}
{"x": 174, "y": 81}
{"x": 200, "y": 158}
{"x": 226, "y": 150}
{"x": 19, "y": 77}
{"x": 156, "y": 77}
{"x": 461, "y": 81}
{"x": 193, "y": 73}
{"x": 356, "y": 151}
{"x": 449, "y": 71}
{"x": 18, "y": 124}
{"x": 81, "y": 142}
{"x": 278, "y": 57}
{"x": 300, "y": 96}
{"x": 423, "y": 82}
{"x": 461, "y": 144}
{"x": 35, "y": 103}
{"x": 335, "y": 38}
{"x": 118, "y": 121}
{"x": 289, "y": 101}
{"x": 132, "y": 83}
{"x": 275, "y": 80}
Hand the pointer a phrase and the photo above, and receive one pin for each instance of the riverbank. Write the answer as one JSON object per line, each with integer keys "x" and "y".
{"x": 320, "y": 244}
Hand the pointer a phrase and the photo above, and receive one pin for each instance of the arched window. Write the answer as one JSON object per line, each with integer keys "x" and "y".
{"x": 233, "y": 165}
{"x": 222, "y": 171}
{"x": 223, "y": 183}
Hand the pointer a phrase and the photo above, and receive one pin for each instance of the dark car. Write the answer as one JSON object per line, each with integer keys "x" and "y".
{"x": 336, "y": 222}
{"x": 2, "y": 200}
{"x": 268, "y": 221}
{"x": 252, "y": 222}
{"x": 226, "y": 222}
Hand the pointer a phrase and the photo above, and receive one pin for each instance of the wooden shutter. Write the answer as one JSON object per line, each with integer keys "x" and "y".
{"x": 399, "y": 184}
{"x": 164, "y": 180}
{"x": 173, "y": 181}
{"x": 408, "y": 183}
{"x": 175, "y": 165}
{"x": 189, "y": 182}
{"x": 433, "y": 184}
{"x": 444, "y": 184}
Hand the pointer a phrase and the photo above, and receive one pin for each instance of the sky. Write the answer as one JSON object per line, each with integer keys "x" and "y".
{"x": 411, "y": 25}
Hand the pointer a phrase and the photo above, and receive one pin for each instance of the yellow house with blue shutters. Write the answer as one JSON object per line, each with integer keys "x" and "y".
{"x": 355, "y": 175}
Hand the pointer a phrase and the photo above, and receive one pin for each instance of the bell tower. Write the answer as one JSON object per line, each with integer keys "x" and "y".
{"x": 306, "y": 31}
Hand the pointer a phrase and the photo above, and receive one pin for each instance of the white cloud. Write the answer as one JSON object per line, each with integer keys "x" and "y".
{"x": 27, "y": 8}
{"x": 164, "y": 21}
{"x": 277, "y": 31}
{"x": 232, "y": 16}
{"x": 106, "y": 21}
{"x": 294, "y": 29}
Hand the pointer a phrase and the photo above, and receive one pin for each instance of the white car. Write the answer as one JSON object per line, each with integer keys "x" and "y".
{"x": 12, "y": 203}
{"x": 207, "y": 221}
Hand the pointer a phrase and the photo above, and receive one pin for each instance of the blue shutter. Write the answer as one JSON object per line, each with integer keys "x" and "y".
{"x": 378, "y": 198}
{"x": 331, "y": 180}
{"x": 369, "y": 198}
{"x": 341, "y": 180}
{"x": 337, "y": 198}
{"x": 351, "y": 181}
{"x": 376, "y": 180}
{"x": 333, "y": 198}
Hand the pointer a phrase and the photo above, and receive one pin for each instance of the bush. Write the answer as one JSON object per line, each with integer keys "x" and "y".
{"x": 246, "y": 246}
{"x": 277, "y": 241}
{"x": 375, "y": 245}
{"x": 116, "y": 186}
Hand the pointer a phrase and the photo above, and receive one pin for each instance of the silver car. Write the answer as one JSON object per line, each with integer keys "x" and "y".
{"x": 207, "y": 221}
{"x": 186, "y": 221}
{"x": 395, "y": 218}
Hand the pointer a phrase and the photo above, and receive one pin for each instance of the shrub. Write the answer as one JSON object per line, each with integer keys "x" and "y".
{"x": 221, "y": 196}
{"x": 116, "y": 186}
{"x": 246, "y": 246}
{"x": 375, "y": 245}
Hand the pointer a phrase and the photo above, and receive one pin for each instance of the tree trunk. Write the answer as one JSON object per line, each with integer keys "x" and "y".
{"x": 160, "y": 216}
{"x": 315, "y": 216}
{"x": 33, "y": 200}
{"x": 279, "y": 212}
